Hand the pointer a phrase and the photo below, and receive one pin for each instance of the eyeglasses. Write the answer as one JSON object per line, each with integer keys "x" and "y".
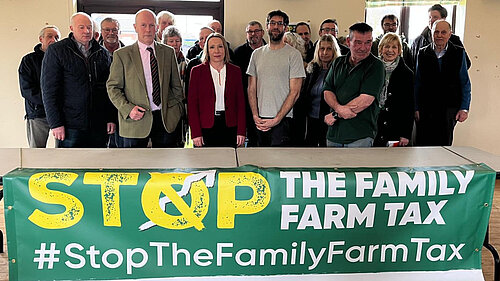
{"x": 329, "y": 29}
{"x": 278, "y": 23}
{"x": 114, "y": 30}
{"x": 390, "y": 24}
{"x": 303, "y": 33}
{"x": 254, "y": 31}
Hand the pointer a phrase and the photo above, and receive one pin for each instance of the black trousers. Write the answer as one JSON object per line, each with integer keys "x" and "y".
{"x": 160, "y": 138}
{"x": 219, "y": 135}
{"x": 279, "y": 135}
{"x": 316, "y": 132}
{"x": 91, "y": 138}
{"x": 435, "y": 127}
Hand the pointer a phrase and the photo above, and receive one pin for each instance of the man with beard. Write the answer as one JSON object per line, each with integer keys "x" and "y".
{"x": 110, "y": 29}
{"x": 275, "y": 74}
{"x": 352, "y": 89}
{"x": 242, "y": 56}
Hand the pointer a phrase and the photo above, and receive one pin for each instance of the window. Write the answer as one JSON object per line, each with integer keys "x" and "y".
{"x": 190, "y": 15}
{"x": 188, "y": 25}
{"x": 413, "y": 15}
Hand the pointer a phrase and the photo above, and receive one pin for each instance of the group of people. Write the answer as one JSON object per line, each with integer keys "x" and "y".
{"x": 286, "y": 92}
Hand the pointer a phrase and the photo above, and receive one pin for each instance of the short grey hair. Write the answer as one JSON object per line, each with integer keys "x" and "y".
{"x": 254, "y": 22}
{"x": 171, "y": 31}
{"x": 167, "y": 15}
{"x": 109, "y": 19}
{"x": 42, "y": 32}
{"x": 77, "y": 14}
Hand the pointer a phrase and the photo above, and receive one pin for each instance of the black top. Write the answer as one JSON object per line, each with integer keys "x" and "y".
{"x": 29, "y": 83}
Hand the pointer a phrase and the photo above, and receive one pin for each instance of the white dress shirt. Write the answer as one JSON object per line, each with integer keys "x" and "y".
{"x": 219, "y": 79}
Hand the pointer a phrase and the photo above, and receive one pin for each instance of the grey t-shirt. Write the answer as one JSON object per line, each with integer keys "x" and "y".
{"x": 273, "y": 70}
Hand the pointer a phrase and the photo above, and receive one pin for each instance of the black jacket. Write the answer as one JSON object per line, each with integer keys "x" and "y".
{"x": 29, "y": 83}
{"x": 303, "y": 105}
{"x": 425, "y": 39}
{"x": 395, "y": 120}
{"x": 74, "y": 87}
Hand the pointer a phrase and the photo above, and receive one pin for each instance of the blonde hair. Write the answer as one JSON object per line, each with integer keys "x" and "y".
{"x": 328, "y": 38}
{"x": 297, "y": 42}
{"x": 205, "y": 57}
{"x": 390, "y": 37}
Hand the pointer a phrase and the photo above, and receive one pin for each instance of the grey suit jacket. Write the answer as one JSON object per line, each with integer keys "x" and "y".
{"x": 127, "y": 88}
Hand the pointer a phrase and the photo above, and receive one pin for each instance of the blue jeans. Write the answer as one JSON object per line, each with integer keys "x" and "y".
{"x": 366, "y": 142}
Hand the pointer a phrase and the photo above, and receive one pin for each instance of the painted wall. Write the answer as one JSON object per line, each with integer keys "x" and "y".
{"x": 238, "y": 13}
{"x": 22, "y": 20}
{"x": 482, "y": 130}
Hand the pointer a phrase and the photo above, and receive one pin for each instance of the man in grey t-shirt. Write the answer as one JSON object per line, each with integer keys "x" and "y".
{"x": 275, "y": 77}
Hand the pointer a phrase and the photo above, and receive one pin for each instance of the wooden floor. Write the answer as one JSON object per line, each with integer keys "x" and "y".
{"x": 487, "y": 257}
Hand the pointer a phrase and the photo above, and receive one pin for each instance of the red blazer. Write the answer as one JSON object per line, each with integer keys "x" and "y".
{"x": 201, "y": 99}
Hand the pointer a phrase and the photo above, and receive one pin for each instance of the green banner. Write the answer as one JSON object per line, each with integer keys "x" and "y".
{"x": 246, "y": 221}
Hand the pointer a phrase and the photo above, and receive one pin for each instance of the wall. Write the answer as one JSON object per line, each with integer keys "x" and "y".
{"x": 482, "y": 130}
{"x": 479, "y": 131}
{"x": 21, "y": 22}
{"x": 238, "y": 13}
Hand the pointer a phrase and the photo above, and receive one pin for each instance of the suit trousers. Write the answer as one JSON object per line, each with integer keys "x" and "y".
{"x": 159, "y": 136}
{"x": 435, "y": 128}
{"x": 91, "y": 138}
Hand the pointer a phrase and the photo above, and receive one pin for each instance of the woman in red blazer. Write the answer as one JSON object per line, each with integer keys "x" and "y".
{"x": 216, "y": 105}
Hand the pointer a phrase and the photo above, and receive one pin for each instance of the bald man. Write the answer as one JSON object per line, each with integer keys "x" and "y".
{"x": 73, "y": 79}
{"x": 442, "y": 88}
{"x": 145, "y": 87}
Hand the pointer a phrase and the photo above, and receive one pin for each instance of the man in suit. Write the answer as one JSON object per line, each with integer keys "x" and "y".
{"x": 145, "y": 87}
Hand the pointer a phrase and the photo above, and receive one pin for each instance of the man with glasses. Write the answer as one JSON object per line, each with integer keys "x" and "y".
{"x": 242, "y": 54}
{"x": 304, "y": 30}
{"x": 330, "y": 26}
{"x": 275, "y": 74}
{"x": 110, "y": 29}
{"x": 390, "y": 23}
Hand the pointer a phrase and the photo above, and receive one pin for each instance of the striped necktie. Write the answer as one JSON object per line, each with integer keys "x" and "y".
{"x": 154, "y": 77}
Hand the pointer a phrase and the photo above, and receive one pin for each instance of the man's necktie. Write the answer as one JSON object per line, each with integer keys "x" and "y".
{"x": 154, "y": 77}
